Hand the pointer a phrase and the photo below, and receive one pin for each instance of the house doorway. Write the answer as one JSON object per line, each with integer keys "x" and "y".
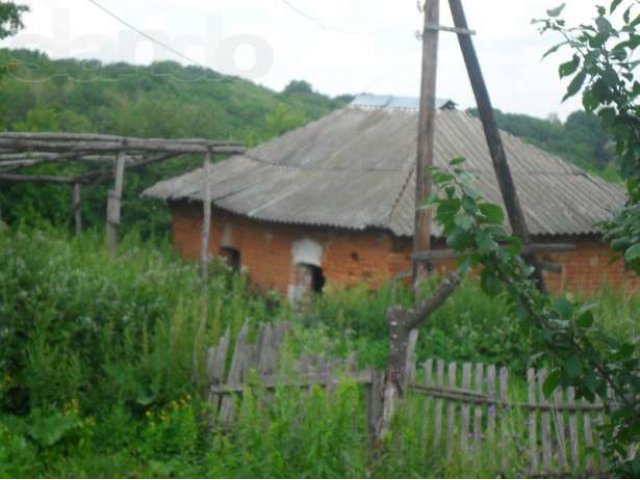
{"x": 309, "y": 279}
{"x": 231, "y": 257}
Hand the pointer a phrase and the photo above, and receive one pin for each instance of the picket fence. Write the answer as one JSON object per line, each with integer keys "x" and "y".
{"x": 466, "y": 403}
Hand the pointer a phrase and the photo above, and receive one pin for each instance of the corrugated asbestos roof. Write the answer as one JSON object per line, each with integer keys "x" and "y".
{"x": 354, "y": 168}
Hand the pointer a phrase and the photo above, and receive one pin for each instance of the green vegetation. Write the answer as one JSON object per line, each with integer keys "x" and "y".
{"x": 563, "y": 332}
{"x": 602, "y": 69}
{"x": 96, "y": 376}
{"x": 581, "y": 139}
{"x": 164, "y": 99}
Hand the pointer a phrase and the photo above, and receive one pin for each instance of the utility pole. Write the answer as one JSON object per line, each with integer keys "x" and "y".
{"x": 496, "y": 148}
{"x": 426, "y": 126}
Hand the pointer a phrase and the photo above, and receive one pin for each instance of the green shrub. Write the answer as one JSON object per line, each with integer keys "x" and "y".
{"x": 97, "y": 372}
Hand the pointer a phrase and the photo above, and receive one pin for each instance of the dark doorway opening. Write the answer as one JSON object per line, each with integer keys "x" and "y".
{"x": 231, "y": 257}
{"x": 309, "y": 278}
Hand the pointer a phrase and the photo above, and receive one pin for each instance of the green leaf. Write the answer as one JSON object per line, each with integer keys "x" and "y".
{"x": 485, "y": 242}
{"x": 440, "y": 177}
{"x": 514, "y": 245}
{"x": 564, "y": 307}
{"x": 604, "y": 25}
{"x": 459, "y": 238}
{"x": 551, "y": 383}
{"x": 553, "y": 49}
{"x": 457, "y": 161}
{"x": 469, "y": 205}
{"x": 576, "y": 84}
{"x": 555, "y": 12}
{"x": 48, "y": 430}
{"x": 447, "y": 209}
{"x": 431, "y": 200}
{"x": 463, "y": 221}
{"x": 615, "y": 4}
{"x": 570, "y": 67}
{"x": 632, "y": 253}
{"x": 490, "y": 283}
{"x": 493, "y": 213}
{"x": 572, "y": 367}
{"x": 585, "y": 319}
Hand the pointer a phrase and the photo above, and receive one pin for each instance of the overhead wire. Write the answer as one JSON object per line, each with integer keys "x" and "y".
{"x": 145, "y": 35}
{"x": 287, "y": 3}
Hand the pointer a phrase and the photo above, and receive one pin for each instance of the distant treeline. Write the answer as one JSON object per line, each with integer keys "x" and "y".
{"x": 580, "y": 139}
{"x": 166, "y": 99}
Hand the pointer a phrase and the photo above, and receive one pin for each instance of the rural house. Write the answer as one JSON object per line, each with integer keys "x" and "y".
{"x": 333, "y": 201}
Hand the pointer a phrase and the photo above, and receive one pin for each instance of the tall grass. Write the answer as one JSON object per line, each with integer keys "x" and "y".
{"x": 78, "y": 324}
{"x": 97, "y": 372}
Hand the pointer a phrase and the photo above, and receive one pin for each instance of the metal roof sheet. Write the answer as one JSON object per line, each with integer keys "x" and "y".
{"x": 354, "y": 168}
{"x": 368, "y": 100}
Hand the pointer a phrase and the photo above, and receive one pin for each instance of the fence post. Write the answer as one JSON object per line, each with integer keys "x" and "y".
{"x": 75, "y": 208}
{"x": 545, "y": 418}
{"x": 451, "y": 409}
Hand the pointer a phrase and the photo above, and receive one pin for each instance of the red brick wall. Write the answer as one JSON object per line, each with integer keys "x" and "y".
{"x": 351, "y": 257}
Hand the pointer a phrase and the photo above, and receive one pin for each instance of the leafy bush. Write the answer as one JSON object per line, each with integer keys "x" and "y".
{"x": 79, "y": 325}
{"x": 97, "y": 371}
{"x": 469, "y": 326}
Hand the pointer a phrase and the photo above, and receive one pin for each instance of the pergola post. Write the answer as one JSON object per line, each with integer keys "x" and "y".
{"x": 114, "y": 204}
{"x": 206, "y": 219}
{"x": 75, "y": 208}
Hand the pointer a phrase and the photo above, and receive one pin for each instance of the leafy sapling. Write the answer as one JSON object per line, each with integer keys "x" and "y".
{"x": 579, "y": 355}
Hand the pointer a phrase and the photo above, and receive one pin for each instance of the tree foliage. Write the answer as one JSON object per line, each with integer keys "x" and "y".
{"x": 11, "y": 18}
{"x": 164, "y": 99}
{"x": 602, "y": 68}
{"x": 581, "y": 139}
{"x": 579, "y": 354}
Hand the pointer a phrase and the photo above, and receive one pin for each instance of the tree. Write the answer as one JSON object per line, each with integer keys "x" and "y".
{"x": 10, "y": 24}
{"x": 11, "y": 18}
{"x": 297, "y": 86}
{"x": 602, "y": 68}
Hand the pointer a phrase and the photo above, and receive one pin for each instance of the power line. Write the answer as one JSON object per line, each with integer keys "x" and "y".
{"x": 146, "y": 35}
{"x": 322, "y": 26}
{"x": 298, "y": 11}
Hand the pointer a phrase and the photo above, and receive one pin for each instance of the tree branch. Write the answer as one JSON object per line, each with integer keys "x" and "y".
{"x": 444, "y": 290}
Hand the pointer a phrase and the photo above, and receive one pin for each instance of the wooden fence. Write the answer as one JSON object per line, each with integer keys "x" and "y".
{"x": 471, "y": 403}
{"x": 464, "y": 404}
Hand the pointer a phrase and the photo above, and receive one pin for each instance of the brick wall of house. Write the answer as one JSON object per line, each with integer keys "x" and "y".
{"x": 351, "y": 257}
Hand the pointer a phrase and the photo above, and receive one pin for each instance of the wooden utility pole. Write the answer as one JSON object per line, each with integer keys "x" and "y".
{"x": 75, "y": 208}
{"x": 426, "y": 126}
{"x": 114, "y": 204}
{"x": 402, "y": 321}
{"x": 496, "y": 148}
{"x": 206, "y": 218}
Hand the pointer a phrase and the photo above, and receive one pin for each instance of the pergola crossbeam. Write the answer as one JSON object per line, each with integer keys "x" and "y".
{"x": 25, "y": 149}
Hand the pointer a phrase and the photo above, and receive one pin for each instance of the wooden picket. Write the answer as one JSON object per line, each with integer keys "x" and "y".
{"x": 551, "y": 424}
{"x": 263, "y": 358}
{"x": 463, "y": 407}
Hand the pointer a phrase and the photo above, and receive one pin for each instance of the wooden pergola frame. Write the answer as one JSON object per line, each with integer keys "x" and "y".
{"x": 110, "y": 154}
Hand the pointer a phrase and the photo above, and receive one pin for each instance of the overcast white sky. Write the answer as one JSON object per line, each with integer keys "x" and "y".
{"x": 367, "y": 45}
